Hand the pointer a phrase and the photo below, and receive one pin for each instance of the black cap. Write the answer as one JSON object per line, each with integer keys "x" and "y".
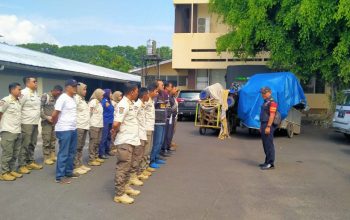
{"x": 265, "y": 89}
{"x": 58, "y": 88}
{"x": 71, "y": 82}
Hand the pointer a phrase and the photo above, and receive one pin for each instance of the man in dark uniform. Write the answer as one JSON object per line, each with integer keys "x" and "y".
{"x": 267, "y": 128}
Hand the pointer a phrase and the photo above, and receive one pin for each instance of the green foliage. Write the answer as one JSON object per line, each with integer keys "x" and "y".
{"x": 304, "y": 36}
{"x": 121, "y": 58}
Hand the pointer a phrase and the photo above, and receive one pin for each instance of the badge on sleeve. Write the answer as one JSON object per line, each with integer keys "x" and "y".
{"x": 121, "y": 110}
{"x": 2, "y": 102}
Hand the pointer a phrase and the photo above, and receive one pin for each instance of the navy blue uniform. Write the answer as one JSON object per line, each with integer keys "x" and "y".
{"x": 267, "y": 108}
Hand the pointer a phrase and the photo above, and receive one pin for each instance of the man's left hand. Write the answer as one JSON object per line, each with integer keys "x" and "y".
{"x": 267, "y": 130}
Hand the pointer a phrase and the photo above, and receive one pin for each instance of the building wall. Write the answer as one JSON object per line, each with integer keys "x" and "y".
{"x": 167, "y": 73}
{"x": 45, "y": 83}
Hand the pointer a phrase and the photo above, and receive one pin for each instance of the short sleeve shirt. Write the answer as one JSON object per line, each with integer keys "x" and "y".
{"x": 11, "y": 115}
{"x": 129, "y": 129}
{"x": 83, "y": 113}
{"x": 67, "y": 119}
{"x": 141, "y": 119}
{"x": 96, "y": 119}
{"x": 30, "y": 102}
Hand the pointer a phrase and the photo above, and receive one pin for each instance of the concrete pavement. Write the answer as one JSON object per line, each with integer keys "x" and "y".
{"x": 206, "y": 179}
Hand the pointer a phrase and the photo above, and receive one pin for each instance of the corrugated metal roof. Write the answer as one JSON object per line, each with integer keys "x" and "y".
{"x": 18, "y": 55}
{"x": 136, "y": 70}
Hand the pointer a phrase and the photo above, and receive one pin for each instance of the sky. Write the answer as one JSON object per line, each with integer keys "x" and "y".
{"x": 87, "y": 22}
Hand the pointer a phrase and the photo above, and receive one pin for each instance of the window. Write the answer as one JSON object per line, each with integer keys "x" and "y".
{"x": 202, "y": 80}
{"x": 189, "y": 95}
{"x": 172, "y": 79}
{"x": 183, "y": 18}
{"x": 346, "y": 99}
{"x": 163, "y": 78}
{"x": 182, "y": 81}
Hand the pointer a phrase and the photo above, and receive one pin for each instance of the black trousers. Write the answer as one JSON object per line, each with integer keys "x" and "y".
{"x": 267, "y": 140}
{"x": 169, "y": 134}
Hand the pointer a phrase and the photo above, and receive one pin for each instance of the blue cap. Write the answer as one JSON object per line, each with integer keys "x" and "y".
{"x": 71, "y": 82}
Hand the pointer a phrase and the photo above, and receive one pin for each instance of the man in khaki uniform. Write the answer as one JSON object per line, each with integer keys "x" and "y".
{"x": 10, "y": 123}
{"x": 30, "y": 117}
{"x": 83, "y": 126}
{"x": 136, "y": 171}
{"x": 48, "y": 101}
{"x": 126, "y": 128}
{"x": 150, "y": 120}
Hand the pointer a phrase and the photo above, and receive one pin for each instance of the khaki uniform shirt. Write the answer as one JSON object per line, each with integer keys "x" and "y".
{"x": 96, "y": 119}
{"x": 83, "y": 113}
{"x": 47, "y": 106}
{"x": 141, "y": 119}
{"x": 30, "y": 102}
{"x": 10, "y": 108}
{"x": 129, "y": 128}
{"x": 114, "y": 103}
{"x": 150, "y": 115}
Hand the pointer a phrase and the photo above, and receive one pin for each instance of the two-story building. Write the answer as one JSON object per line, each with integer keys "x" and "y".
{"x": 196, "y": 64}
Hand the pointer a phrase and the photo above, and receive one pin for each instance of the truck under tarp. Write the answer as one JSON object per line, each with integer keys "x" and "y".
{"x": 286, "y": 91}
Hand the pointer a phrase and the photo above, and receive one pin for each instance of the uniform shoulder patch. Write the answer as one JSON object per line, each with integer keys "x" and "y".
{"x": 121, "y": 110}
{"x": 2, "y": 102}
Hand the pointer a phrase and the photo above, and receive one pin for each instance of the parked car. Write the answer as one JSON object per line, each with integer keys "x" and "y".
{"x": 187, "y": 100}
{"x": 341, "y": 119}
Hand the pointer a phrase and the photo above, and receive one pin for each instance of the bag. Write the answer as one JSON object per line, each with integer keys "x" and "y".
{"x": 277, "y": 120}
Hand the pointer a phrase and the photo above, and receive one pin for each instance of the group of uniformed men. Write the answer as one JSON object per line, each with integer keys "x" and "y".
{"x": 141, "y": 124}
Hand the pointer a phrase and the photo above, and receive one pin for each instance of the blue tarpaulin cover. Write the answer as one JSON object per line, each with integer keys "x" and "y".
{"x": 286, "y": 91}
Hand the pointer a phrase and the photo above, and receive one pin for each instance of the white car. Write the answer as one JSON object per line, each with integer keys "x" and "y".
{"x": 341, "y": 119}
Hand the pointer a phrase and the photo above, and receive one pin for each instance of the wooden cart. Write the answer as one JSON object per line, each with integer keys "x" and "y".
{"x": 208, "y": 113}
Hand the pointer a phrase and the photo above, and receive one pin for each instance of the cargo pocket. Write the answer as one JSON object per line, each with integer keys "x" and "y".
{"x": 124, "y": 153}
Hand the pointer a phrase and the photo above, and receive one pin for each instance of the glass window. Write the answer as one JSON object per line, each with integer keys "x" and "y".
{"x": 202, "y": 79}
{"x": 347, "y": 99}
{"x": 172, "y": 79}
{"x": 182, "y": 81}
{"x": 189, "y": 95}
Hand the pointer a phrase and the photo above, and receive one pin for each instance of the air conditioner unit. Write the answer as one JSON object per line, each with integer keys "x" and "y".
{"x": 203, "y": 25}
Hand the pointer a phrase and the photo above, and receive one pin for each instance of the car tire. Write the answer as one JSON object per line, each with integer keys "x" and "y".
{"x": 347, "y": 136}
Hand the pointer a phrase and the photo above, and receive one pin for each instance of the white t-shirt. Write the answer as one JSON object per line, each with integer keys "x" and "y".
{"x": 67, "y": 119}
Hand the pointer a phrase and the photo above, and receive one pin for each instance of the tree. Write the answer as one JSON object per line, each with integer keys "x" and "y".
{"x": 308, "y": 37}
{"x": 122, "y": 58}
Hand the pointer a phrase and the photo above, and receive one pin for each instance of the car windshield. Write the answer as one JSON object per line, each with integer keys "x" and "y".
{"x": 347, "y": 99}
{"x": 189, "y": 95}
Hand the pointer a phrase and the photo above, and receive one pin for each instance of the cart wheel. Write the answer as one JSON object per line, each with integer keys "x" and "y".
{"x": 290, "y": 130}
{"x": 202, "y": 131}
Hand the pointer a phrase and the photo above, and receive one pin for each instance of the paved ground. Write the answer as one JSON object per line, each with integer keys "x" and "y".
{"x": 206, "y": 179}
